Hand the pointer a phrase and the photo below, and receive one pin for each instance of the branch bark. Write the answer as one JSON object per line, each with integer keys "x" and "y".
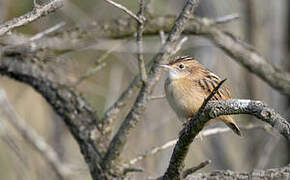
{"x": 79, "y": 117}
{"x": 37, "y": 12}
{"x": 272, "y": 174}
{"x": 214, "y": 109}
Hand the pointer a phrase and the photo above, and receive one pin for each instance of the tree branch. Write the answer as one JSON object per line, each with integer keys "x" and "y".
{"x": 126, "y": 10}
{"x": 272, "y": 174}
{"x": 37, "y": 12}
{"x": 79, "y": 117}
{"x": 139, "y": 41}
{"x": 196, "y": 168}
{"x": 120, "y": 139}
{"x": 214, "y": 109}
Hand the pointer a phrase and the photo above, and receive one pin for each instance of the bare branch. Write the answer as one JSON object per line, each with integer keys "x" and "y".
{"x": 152, "y": 152}
{"x": 196, "y": 168}
{"x": 179, "y": 45}
{"x": 156, "y": 97}
{"x": 214, "y": 109}
{"x": 47, "y": 152}
{"x": 37, "y": 12}
{"x": 123, "y": 8}
{"x": 79, "y": 117}
{"x": 272, "y": 174}
{"x": 90, "y": 72}
{"x": 47, "y": 31}
{"x": 120, "y": 139}
{"x": 162, "y": 37}
{"x": 111, "y": 114}
{"x": 139, "y": 40}
{"x": 226, "y": 19}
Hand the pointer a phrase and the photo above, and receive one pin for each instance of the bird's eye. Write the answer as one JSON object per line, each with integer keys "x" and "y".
{"x": 181, "y": 66}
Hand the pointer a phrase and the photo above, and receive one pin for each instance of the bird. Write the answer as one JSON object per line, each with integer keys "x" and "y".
{"x": 188, "y": 83}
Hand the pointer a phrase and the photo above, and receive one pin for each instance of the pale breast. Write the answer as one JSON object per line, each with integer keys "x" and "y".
{"x": 184, "y": 98}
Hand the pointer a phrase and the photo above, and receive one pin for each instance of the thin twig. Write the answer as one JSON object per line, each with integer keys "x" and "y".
{"x": 196, "y": 168}
{"x": 37, "y": 142}
{"x": 139, "y": 41}
{"x": 99, "y": 64}
{"x": 162, "y": 37}
{"x": 37, "y": 12}
{"x": 132, "y": 170}
{"x": 156, "y": 97}
{"x": 47, "y": 31}
{"x": 227, "y": 18}
{"x": 214, "y": 91}
{"x": 89, "y": 73}
{"x": 179, "y": 45}
{"x": 112, "y": 112}
{"x": 152, "y": 152}
{"x": 126, "y": 10}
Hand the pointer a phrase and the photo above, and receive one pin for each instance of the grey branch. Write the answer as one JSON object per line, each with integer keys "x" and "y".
{"x": 79, "y": 117}
{"x": 47, "y": 31}
{"x": 119, "y": 140}
{"x": 126, "y": 10}
{"x": 37, "y": 12}
{"x": 111, "y": 114}
{"x": 273, "y": 174}
{"x": 196, "y": 168}
{"x": 139, "y": 41}
{"x": 214, "y": 109}
{"x": 226, "y": 19}
{"x": 47, "y": 152}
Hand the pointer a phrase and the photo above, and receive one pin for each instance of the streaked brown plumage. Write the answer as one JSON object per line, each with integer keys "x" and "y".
{"x": 188, "y": 84}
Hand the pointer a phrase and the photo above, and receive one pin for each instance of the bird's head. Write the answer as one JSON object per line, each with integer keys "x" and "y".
{"x": 181, "y": 67}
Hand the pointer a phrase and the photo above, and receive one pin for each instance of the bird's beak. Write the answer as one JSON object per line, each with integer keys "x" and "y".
{"x": 165, "y": 66}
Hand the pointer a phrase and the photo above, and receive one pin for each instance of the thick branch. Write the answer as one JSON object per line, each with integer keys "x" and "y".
{"x": 37, "y": 12}
{"x": 77, "y": 114}
{"x": 271, "y": 174}
{"x": 214, "y": 109}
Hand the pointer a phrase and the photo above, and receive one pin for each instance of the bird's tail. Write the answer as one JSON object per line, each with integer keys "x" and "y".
{"x": 229, "y": 121}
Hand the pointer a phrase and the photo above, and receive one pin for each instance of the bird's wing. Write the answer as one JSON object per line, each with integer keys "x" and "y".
{"x": 209, "y": 82}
